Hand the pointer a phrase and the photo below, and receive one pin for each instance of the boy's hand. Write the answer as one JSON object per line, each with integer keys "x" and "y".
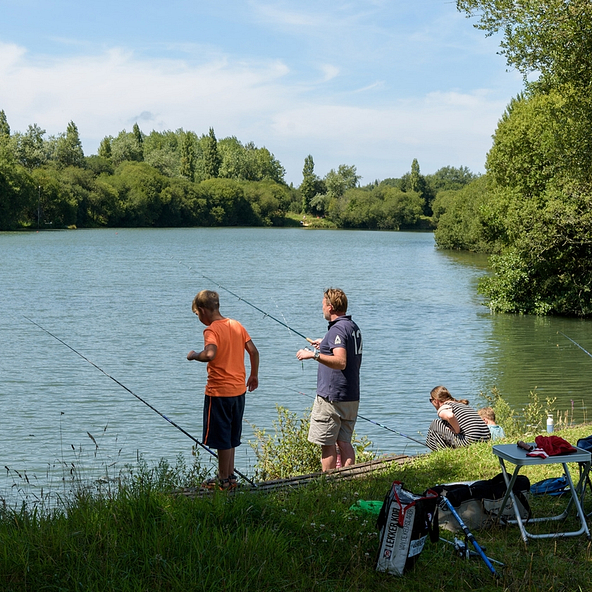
{"x": 252, "y": 383}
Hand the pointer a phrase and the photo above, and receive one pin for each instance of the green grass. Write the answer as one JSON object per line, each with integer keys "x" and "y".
{"x": 140, "y": 537}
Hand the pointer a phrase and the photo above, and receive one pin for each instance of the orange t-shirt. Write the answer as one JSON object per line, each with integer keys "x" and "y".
{"x": 226, "y": 372}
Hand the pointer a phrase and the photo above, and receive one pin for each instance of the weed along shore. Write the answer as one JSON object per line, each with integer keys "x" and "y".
{"x": 138, "y": 535}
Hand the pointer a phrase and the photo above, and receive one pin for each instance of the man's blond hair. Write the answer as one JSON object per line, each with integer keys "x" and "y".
{"x": 337, "y": 299}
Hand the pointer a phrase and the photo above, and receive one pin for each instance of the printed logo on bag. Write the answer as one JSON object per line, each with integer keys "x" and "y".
{"x": 392, "y": 532}
{"x": 416, "y": 547}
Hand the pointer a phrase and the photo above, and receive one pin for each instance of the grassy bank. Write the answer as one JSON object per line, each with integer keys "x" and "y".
{"x": 140, "y": 537}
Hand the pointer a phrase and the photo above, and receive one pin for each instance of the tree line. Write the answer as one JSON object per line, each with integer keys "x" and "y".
{"x": 182, "y": 179}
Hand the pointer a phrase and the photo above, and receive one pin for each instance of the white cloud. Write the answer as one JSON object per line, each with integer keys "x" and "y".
{"x": 256, "y": 100}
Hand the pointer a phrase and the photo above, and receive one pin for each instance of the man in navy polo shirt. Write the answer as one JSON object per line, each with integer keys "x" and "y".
{"x": 339, "y": 355}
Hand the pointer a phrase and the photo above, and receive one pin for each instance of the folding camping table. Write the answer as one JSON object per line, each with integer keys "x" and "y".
{"x": 517, "y": 456}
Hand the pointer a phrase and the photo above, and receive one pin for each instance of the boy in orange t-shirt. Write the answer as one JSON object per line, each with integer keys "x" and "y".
{"x": 225, "y": 342}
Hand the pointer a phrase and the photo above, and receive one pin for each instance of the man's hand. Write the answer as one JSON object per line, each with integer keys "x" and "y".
{"x": 305, "y": 354}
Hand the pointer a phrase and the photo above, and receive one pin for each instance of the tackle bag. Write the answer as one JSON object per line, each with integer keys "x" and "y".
{"x": 478, "y": 502}
{"x": 551, "y": 486}
{"x": 404, "y": 522}
{"x": 585, "y": 443}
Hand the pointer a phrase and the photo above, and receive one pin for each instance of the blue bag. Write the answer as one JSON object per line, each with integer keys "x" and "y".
{"x": 585, "y": 443}
{"x": 552, "y": 486}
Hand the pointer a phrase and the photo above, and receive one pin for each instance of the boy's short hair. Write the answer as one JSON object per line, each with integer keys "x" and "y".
{"x": 337, "y": 299}
{"x": 207, "y": 299}
{"x": 487, "y": 413}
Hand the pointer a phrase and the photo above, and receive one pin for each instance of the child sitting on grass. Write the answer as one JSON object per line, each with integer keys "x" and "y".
{"x": 487, "y": 414}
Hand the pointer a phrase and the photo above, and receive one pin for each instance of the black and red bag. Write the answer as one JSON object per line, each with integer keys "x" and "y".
{"x": 404, "y": 522}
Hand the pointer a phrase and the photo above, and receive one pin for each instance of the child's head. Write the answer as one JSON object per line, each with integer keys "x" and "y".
{"x": 487, "y": 415}
{"x": 207, "y": 299}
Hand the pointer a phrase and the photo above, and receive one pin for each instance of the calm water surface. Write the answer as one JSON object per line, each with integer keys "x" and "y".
{"x": 122, "y": 298}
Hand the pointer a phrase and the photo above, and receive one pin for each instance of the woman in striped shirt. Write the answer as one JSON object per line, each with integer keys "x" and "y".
{"x": 457, "y": 424}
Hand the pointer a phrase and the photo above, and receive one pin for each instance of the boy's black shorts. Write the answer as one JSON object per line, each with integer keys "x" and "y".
{"x": 223, "y": 421}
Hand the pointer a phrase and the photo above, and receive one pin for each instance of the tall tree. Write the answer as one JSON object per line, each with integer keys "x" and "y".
{"x": 105, "y": 147}
{"x": 211, "y": 155}
{"x": 31, "y": 150}
{"x": 68, "y": 150}
{"x": 4, "y": 127}
{"x": 310, "y": 184}
{"x": 139, "y": 139}
{"x": 188, "y": 155}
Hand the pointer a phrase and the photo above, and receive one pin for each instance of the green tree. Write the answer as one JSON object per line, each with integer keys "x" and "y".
{"x": 310, "y": 184}
{"x": 68, "y": 151}
{"x": 550, "y": 37}
{"x": 30, "y": 148}
{"x": 448, "y": 178}
{"x": 4, "y": 127}
{"x": 126, "y": 147}
{"x": 211, "y": 156}
{"x": 18, "y": 192}
{"x": 415, "y": 181}
{"x": 188, "y": 155}
{"x": 105, "y": 148}
{"x": 139, "y": 136}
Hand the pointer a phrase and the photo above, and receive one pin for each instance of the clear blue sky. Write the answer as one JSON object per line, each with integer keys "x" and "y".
{"x": 372, "y": 83}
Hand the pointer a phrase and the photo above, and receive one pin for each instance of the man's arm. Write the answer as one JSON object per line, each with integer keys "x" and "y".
{"x": 253, "y": 380}
{"x": 336, "y": 360}
{"x": 206, "y": 355}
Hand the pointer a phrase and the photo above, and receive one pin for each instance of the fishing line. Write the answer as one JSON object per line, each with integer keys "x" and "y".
{"x": 137, "y": 396}
{"x": 575, "y": 343}
{"x": 265, "y": 314}
{"x": 368, "y": 419}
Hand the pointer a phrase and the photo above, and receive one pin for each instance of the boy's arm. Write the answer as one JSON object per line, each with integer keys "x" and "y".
{"x": 206, "y": 355}
{"x": 253, "y": 380}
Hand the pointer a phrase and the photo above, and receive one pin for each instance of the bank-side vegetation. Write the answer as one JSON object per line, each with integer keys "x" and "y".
{"x": 532, "y": 210}
{"x": 136, "y": 530}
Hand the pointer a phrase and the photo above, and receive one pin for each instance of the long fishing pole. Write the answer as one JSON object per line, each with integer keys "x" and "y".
{"x": 370, "y": 420}
{"x": 137, "y": 396}
{"x": 446, "y": 502}
{"x": 575, "y": 343}
{"x": 265, "y": 314}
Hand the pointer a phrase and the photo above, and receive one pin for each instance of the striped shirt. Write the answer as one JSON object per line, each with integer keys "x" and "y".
{"x": 472, "y": 429}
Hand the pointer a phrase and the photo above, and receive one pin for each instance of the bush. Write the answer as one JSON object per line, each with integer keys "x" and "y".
{"x": 288, "y": 452}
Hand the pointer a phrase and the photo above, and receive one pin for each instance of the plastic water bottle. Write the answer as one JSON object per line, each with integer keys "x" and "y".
{"x": 338, "y": 463}
{"x": 549, "y": 423}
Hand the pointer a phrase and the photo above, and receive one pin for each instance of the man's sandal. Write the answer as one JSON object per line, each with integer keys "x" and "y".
{"x": 220, "y": 484}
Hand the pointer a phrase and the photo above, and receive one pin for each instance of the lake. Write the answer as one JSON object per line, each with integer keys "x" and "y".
{"x": 122, "y": 298}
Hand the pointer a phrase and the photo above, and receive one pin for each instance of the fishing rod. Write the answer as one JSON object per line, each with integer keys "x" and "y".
{"x": 265, "y": 314}
{"x": 446, "y": 502}
{"x": 137, "y": 397}
{"x": 575, "y": 343}
{"x": 371, "y": 421}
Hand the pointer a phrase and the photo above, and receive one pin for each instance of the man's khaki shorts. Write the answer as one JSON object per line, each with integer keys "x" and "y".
{"x": 332, "y": 421}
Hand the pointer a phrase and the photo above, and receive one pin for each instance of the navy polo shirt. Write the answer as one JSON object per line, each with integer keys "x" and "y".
{"x": 341, "y": 385}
